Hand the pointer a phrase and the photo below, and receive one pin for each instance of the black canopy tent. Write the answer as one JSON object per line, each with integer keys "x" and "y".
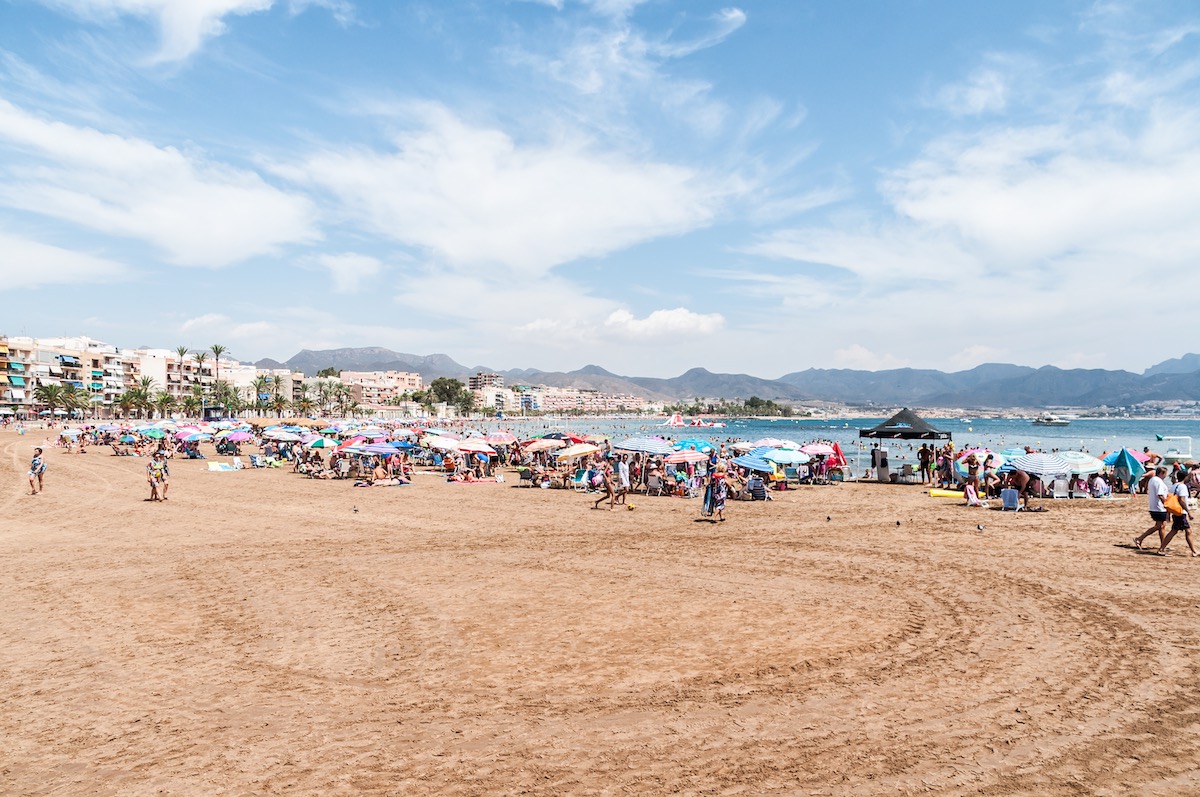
{"x": 905, "y": 425}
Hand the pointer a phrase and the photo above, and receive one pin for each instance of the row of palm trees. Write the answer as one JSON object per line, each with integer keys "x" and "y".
{"x": 263, "y": 395}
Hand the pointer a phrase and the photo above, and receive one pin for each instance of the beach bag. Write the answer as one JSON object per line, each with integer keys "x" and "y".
{"x": 1172, "y": 505}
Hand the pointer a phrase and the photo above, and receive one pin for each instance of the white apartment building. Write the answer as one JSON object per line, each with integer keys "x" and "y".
{"x": 380, "y": 387}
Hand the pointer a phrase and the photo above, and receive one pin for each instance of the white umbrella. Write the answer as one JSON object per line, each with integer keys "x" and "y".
{"x": 645, "y": 445}
{"x": 1041, "y": 464}
{"x": 282, "y": 436}
{"x": 1081, "y": 462}
{"x": 577, "y": 450}
{"x": 437, "y": 441}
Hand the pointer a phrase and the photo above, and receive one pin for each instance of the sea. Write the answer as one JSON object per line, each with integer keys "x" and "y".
{"x": 1092, "y": 435}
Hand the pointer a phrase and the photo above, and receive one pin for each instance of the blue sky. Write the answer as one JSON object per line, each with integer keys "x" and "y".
{"x": 648, "y": 186}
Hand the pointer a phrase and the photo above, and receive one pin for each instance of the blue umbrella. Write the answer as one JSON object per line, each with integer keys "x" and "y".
{"x": 752, "y": 462}
{"x": 1123, "y": 460}
{"x": 700, "y": 445}
{"x": 786, "y": 456}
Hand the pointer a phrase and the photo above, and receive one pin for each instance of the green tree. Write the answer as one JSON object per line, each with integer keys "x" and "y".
{"x": 325, "y": 373}
{"x": 164, "y": 402}
{"x": 217, "y": 350}
{"x": 447, "y": 390}
{"x": 51, "y": 396}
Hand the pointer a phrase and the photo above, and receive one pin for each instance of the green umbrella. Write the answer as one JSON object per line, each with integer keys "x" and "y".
{"x": 157, "y": 434}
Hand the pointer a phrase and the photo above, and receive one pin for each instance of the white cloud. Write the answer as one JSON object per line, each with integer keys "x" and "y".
{"x": 860, "y": 357}
{"x": 199, "y": 212}
{"x": 662, "y": 323}
{"x": 349, "y": 270}
{"x": 473, "y": 196}
{"x": 29, "y": 264}
{"x": 184, "y": 25}
{"x": 986, "y": 91}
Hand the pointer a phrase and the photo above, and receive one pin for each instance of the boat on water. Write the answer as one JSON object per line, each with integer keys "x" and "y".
{"x": 1050, "y": 419}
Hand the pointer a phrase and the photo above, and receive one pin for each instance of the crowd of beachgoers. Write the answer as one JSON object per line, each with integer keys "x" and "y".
{"x": 388, "y": 454}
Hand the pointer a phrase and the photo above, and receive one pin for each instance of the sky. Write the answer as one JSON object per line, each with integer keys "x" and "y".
{"x": 645, "y": 185}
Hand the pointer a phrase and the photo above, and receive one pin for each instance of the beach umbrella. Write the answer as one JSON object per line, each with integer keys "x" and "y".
{"x": 282, "y": 436}
{"x": 692, "y": 442}
{"x": 239, "y": 437}
{"x": 685, "y": 455}
{"x": 439, "y": 442}
{"x": 786, "y": 456}
{"x": 543, "y": 445}
{"x": 156, "y": 434}
{"x": 1041, "y": 464}
{"x": 998, "y": 460}
{"x": 330, "y": 430}
{"x": 321, "y": 442}
{"x": 645, "y": 445}
{"x": 753, "y": 463}
{"x": 774, "y": 442}
{"x": 1082, "y": 462}
{"x": 1138, "y": 456}
{"x": 475, "y": 445}
{"x": 1124, "y": 460}
{"x": 577, "y": 450}
{"x": 126, "y": 438}
{"x": 197, "y": 437}
{"x": 376, "y": 449}
{"x": 1015, "y": 451}
{"x": 70, "y": 433}
{"x": 818, "y": 449}
{"x": 500, "y": 438}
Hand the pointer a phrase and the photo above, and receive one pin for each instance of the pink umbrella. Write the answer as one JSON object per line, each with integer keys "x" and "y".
{"x": 818, "y": 449}
{"x": 687, "y": 455}
{"x": 239, "y": 437}
{"x": 501, "y": 438}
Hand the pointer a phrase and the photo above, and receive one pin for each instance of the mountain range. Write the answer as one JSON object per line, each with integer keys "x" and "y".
{"x": 992, "y": 385}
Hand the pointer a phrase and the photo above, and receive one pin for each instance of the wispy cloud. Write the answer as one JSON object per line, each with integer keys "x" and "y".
{"x": 472, "y": 196}
{"x": 27, "y": 264}
{"x": 199, "y": 212}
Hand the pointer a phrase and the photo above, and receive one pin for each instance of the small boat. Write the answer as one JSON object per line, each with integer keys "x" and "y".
{"x": 1049, "y": 419}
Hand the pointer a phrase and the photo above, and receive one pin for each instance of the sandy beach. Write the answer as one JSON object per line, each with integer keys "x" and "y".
{"x": 257, "y": 635}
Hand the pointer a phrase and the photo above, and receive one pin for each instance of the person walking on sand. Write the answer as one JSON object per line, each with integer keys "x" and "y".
{"x": 720, "y": 491}
{"x": 606, "y": 486}
{"x": 37, "y": 469}
{"x": 1156, "y": 489}
{"x": 1180, "y": 522}
{"x": 154, "y": 476}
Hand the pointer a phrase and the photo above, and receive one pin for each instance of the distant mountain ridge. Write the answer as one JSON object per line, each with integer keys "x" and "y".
{"x": 992, "y": 385}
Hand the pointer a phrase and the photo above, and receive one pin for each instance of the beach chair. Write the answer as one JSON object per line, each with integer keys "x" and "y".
{"x": 579, "y": 481}
{"x": 1010, "y": 500}
{"x": 654, "y": 484}
{"x": 1060, "y": 488}
{"x": 525, "y": 477}
{"x": 343, "y": 468}
{"x": 907, "y": 474}
{"x": 237, "y": 463}
{"x": 257, "y": 461}
{"x": 791, "y": 474}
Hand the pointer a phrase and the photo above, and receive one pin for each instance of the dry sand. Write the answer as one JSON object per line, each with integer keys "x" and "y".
{"x": 255, "y": 635}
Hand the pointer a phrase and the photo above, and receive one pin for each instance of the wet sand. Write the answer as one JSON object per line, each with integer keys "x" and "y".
{"x": 256, "y": 635}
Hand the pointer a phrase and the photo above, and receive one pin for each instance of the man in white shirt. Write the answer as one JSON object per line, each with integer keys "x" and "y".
{"x": 623, "y": 478}
{"x": 1156, "y": 489}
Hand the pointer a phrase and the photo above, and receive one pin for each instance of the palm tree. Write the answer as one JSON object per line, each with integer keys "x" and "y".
{"x": 182, "y": 351}
{"x": 279, "y": 404}
{"x": 200, "y": 357}
{"x": 50, "y": 395}
{"x": 73, "y": 398}
{"x": 146, "y": 383}
{"x": 217, "y": 350}
{"x": 341, "y": 395}
{"x": 165, "y": 402}
{"x": 259, "y": 386}
{"x": 126, "y": 403}
{"x": 191, "y": 404}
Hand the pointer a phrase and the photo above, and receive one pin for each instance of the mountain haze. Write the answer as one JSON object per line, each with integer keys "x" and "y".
{"x": 992, "y": 385}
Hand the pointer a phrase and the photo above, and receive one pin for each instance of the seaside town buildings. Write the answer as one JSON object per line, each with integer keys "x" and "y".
{"x": 103, "y": 373}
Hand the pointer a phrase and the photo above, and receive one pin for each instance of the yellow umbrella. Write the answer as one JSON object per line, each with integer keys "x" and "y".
{"x": 577, "y": 450}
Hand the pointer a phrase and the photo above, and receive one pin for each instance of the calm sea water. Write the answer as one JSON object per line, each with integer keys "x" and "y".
{"x": 1092, "y": 435}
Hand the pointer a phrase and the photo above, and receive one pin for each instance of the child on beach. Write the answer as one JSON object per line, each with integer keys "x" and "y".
{"x": 37, "y": 469}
